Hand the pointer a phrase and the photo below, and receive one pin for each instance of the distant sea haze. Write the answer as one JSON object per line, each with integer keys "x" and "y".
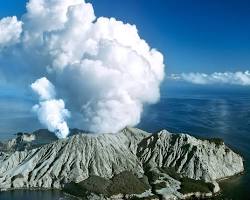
{"x": 231, "y": 78}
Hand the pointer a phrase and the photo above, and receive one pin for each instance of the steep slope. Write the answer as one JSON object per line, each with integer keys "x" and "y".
{"x": 194, "y": 158}
{"x": 72, "y": 159}
{"x": 164, "y": 162}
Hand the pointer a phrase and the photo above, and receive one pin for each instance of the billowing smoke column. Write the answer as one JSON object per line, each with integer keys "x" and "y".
{"x": 100, "y": 66}
{"x": 50, "y": 111}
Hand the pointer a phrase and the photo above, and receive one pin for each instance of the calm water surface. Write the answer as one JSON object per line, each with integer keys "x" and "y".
{"x": 223, "y": 116}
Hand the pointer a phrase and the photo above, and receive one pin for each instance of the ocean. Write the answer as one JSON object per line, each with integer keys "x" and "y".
{"x": 222, "y": 114}
{"x": 209, "y": 114}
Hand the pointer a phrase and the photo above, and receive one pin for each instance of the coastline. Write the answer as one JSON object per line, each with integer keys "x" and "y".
{"x": 187, "y": 143}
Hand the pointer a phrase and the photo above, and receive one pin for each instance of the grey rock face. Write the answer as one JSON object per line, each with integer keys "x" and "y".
{"x": 83, "y": 155}
{"x": 72, "y": 159}
{"x": 197, "y": 159}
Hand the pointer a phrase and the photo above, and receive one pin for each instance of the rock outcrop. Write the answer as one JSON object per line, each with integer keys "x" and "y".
{"x": 165, "y": 165}
{"x": 193, "y": 158}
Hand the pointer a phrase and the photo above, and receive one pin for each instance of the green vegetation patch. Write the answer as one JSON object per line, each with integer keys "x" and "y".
{"x": 96, "y": 184}
{"x": 189, "y": 185}
{"x": 75, "y": 189}
{"x": 127, "y": 183}
{"x": 171, "y": 172}
{"x": 123, "y": 183}
{"x": 152, "y": 176}
{"x": 93, "y": 184}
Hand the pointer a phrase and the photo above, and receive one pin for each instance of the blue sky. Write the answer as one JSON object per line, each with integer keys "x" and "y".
{"x": 194, "y": 36}
{"x": 204, "y": 36}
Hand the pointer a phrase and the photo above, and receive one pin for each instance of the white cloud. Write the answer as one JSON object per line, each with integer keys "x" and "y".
{"x": 10, "y": 31}
{"x": 234, "y": 78}
{"x": 51, "y": 112}
{"x": 101, "y": 66}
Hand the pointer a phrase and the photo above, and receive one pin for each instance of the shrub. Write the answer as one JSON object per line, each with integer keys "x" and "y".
{"x": 190, "y": 185}
{"x": 127, "y": 183}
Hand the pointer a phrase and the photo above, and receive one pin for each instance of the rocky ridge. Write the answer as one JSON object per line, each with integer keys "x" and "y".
{"x": 161, "y": 165}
